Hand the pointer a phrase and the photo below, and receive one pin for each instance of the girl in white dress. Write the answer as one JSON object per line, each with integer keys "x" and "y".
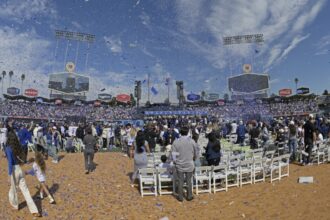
{"x": 39, "y": 170}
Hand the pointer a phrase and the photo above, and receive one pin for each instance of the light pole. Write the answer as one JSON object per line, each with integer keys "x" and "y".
{"x": 3, "y": 79}
{"x": 296, "y": 80}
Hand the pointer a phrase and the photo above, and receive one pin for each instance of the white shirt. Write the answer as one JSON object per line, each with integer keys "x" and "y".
{"x": 3, "y": 135}
{"x": 39, "y": 174}
{"x": 111, "y": 133}
{"x": 233, "y": 128}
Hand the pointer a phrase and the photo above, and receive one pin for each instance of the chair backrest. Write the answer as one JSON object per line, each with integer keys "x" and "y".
{"x": 257, "y": 151}
{"x": 234, "y": 161}
{"x": 269, "y": 154}
{"x": 203, "y": 169}
{"x": 147, "y": 171}
{"x": 246, "y": 163}
{"x": 161, "y": 171}
{"x": 285, "y": 158}
{"x": 276, "y": 160}
{"x": 219, "y": 168}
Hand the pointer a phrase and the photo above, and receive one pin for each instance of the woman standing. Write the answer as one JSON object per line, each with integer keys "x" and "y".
{"x": 213, "y": 150}
{"x": 90, "y": 144}
{"x": 140, "y": 156}
{"x": 15, "y": 157}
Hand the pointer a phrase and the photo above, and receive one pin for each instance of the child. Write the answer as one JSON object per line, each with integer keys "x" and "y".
{"x": 39, "y": 169}
{"x": 164, "y": 164}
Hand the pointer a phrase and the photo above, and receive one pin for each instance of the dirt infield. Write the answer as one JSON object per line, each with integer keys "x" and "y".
{"x": 106, "y": 194}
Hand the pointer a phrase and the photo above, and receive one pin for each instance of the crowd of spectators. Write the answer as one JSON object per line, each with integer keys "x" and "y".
{"x": 60, "y": 112}
{"x": 92, "y": 113}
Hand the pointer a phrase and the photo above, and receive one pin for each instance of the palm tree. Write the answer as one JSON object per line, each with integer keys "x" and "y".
{"x": 22, "y": 80}
{"x": 11, "y": 73}
{"x": 3, "y": 79}
{"x": 296, "y": 80}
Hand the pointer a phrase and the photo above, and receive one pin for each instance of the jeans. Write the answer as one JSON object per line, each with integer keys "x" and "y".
{"x": 184, "y": 177}
{"x": 52, "y": 151}
{"x": 17, "y": 179}
{"x": 293, "y": 147}
{"x": 89, "y": 157}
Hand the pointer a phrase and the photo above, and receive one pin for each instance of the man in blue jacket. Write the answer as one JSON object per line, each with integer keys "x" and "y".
{"x": 241, "y": 130}
{"x": 24, "y": 137}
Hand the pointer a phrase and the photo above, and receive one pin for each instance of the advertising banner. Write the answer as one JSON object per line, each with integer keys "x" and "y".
{"x": 13, "y": 91}
{"x": 123, "y": 98}
{"x": 31, "y": 92}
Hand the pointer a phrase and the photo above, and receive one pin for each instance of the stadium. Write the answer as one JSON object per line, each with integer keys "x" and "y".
{"x": 169, "y": 110}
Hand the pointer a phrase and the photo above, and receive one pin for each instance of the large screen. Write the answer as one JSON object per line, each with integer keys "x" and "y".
{"x": 68, "y": 82}
{"x": 248, "y": 83}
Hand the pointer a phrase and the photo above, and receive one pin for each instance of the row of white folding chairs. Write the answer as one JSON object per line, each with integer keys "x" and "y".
{"x": 322, "y": 152}
{"x": 152, "y": 180}
{"x": 244, "y": 172}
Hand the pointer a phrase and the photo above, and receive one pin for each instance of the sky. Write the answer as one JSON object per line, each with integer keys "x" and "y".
{"x": 179, "y": 39}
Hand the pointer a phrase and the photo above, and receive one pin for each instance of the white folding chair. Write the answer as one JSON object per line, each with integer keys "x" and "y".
{"x": 320, "y": 154}
{"x": 233, "y": 171}
{"x": 257, "y": 153}
{"x": 246, "y": 172}
{"x": 148, "y": 181}
{"x": 275, "y": 169}
{"x": 285, "y": 165}
{"x": 202, "y": 175}
{"x": 151, "y": 161}
{"x": 258, "y": 170}
{"x": 224, "y": 158}
{"x": 165, "y": 181}
{"x": 267, "y": 160}
{"x": 219, "y": 176}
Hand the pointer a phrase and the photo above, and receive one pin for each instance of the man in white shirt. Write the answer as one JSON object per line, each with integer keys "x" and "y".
{"x": 3, "y": 136}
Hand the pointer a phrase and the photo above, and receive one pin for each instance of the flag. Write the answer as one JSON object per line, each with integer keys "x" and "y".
{"x": 144, "y": 81}
{"x": 154, "y": 90}
{"x": 167, "y": 81}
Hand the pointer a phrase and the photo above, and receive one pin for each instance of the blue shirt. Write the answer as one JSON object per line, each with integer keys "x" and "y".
{"x": 11, "y": 159}
{"x": 24, "y": 136}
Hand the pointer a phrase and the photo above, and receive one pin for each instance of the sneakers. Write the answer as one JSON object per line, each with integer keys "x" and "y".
{"x": 36, "y": 215}
{"x": 41, "y": 195}
{"x": 55, "y": 161}
{"x": 51, "y": 200}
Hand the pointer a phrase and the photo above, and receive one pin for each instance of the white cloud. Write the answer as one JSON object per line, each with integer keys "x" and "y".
{"x": 113, "y": 43}
{"x": 76, "y": 25}
{"x": 145, "y": 19}
{"x": 25, "y": 53}
{"x": 282, "y": 22}
{"x": 323, "y": 45}
{"x": 279, "y": 52}
{"x": 18, "y": 10}
{"x": 275, "y": 81}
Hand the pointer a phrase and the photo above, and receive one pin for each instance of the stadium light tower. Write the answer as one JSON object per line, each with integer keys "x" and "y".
{"x": 137, "y": 92}
{"x": 74, "y": 36}
{"x": 179, "y": 92}
{"x": 244, "y": 39}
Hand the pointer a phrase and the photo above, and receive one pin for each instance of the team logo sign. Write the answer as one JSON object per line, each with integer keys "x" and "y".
{"x": 70, "y": 67}
{"x": 247, "y": 68}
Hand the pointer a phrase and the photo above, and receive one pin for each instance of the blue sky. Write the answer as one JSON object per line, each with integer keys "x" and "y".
{"x": 180, "y": 39}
